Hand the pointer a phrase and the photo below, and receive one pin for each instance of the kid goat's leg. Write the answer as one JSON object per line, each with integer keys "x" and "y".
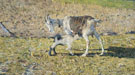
{"x": 53, "y": 48}
{"x": 62, "y": 42}
{"x": 69, "y": 47}
{"x": 100, "y": 41}
{"x": 87, "y": 45}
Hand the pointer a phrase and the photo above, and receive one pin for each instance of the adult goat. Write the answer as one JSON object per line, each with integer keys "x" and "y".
{"x": 74, "y": 26}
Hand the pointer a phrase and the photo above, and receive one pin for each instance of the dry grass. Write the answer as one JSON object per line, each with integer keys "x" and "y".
{"x": 30, "y": 55}
{"x": 26, "y": 18}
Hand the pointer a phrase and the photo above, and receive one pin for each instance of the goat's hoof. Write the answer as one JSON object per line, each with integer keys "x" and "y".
{"x": 84, "y": 55}
{"x": 101, "y": 53}
{"x": 55, "y": 54}
{"x": 49, "y": 54}
{"x": 71, "y": 54}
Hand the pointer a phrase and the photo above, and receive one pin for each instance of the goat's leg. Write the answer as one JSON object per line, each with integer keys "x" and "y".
{"x": 69, "y": 48}
{"x": 100, "y": 41}
{"x": 61, "y": 42}
{"x": 53, "y": 51}
{"x": 68, "y": 31}
{"x": 53, "y": 47}
{"x": 87, "y": 45}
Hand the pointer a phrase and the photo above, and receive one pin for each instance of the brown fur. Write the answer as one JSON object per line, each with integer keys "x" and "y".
{"x": 78, "y": 23}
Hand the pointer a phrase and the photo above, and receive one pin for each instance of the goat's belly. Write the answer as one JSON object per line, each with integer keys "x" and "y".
{"x": 89, "y": 32}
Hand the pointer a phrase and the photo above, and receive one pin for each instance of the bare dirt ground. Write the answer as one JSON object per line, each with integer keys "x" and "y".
{"x": 26, "y": 17}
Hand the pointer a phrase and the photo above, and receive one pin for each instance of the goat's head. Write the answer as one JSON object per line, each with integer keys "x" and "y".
{"x": 49, "y": 23}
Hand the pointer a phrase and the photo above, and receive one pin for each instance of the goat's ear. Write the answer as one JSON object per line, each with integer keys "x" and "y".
{"x": 48, "y": 16}
{"x": 45, "y": 20}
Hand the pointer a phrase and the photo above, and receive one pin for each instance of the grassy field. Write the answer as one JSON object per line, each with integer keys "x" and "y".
{"x": 105, "y": 3}
{"x": 25, "y": 18}
{"x": 22, "y": 56}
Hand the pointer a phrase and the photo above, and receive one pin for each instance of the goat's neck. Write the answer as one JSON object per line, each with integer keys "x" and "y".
{"x": 57, "y": 22}
{"x": 60, "y": 22}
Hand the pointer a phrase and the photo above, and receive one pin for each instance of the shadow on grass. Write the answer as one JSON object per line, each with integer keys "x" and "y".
{"x": 120, "y": 52}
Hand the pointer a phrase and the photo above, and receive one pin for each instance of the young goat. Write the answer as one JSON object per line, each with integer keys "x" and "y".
{"x": 75, "y": 26}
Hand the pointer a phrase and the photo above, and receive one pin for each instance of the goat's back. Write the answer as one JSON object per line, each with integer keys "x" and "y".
{"x": 77, "y": 23}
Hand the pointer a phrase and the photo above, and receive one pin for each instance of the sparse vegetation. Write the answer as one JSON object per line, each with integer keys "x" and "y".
{"x": 25, "y": 18}
{"x": 17, "y": 55}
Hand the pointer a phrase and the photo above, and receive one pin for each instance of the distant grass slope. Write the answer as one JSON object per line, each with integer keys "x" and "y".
{"x": 106, "y": 3}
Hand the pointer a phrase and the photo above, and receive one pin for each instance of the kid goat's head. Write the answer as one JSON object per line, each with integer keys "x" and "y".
{"x": 49, "y": 23}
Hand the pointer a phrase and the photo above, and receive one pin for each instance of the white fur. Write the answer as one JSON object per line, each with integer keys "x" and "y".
{"x": 68, "y": 39}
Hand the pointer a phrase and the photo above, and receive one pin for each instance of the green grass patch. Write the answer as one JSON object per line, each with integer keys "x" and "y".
{"x": 105, "y": 3}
